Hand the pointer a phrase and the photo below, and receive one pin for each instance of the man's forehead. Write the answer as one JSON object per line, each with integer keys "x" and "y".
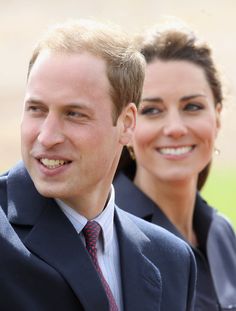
{"x": 81, "y": 56}
{"x": 80, "y": 67}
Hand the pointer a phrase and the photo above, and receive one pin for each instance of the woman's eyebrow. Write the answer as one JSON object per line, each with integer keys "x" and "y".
{"x": 188, "y": 97}
{"x": 152, "y": 99}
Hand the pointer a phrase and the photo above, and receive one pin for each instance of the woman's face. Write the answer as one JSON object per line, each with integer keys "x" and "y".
{"x": 177, "y": 122}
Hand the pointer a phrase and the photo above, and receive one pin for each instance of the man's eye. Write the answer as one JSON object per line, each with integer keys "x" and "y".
{"x": 193, "y": 107}
{"x": 73, "y": 114}
{"x": 76, "y": 114}
{"x": 33, "y": 109}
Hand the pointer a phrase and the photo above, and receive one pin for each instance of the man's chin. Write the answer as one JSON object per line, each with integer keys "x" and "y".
{"x": 47, "y": 190}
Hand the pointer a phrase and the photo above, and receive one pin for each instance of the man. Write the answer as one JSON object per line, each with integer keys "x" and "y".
{"x": 83, "y": 83}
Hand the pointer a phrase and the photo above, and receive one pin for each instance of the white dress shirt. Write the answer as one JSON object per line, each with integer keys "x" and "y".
{"x": 107, "y": 246}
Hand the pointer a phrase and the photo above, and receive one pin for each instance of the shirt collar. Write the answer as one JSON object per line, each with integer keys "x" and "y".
{"x": 105, "y": 218}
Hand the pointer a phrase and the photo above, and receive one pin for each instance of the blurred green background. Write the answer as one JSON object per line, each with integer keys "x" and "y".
{"x": 220, "y": 191}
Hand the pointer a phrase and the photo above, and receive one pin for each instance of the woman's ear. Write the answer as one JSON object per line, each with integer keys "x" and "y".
{"x": 218, "y": 110}
{"x": 128, "y": 119}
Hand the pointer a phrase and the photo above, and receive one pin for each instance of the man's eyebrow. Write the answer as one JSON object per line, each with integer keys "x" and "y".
{"x": 30, "y": 100}
{"x": 78, "y": 105}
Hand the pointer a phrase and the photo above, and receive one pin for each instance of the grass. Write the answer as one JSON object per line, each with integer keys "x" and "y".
{"x": 220, "y": 192}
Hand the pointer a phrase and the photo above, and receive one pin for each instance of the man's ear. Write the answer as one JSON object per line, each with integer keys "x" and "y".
{"x": 128, "y": 123}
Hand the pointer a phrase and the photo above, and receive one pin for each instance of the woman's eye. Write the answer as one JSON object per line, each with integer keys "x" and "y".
{"x": 150, "y": 111}
{"x": 193, "y": 107}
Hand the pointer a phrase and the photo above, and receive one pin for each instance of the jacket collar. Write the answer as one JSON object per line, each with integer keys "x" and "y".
{"x": 131, "y": 199}
{"x": 203, "y": 218}
{"x": 141, "y": 280}
{"x": 55, "y": 241}
{"x": 25, "y": 204}
{"x": 53, "y": 236}
{"x": 128, "y": 197}
{"x": 215, "y": 235}
{"x": 220, "y": 246}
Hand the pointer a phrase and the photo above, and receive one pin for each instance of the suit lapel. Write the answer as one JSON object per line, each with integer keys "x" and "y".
{"x": 141, "y": 280}
{"x": 132, "y": 200}
{"x": 55, "y": 240}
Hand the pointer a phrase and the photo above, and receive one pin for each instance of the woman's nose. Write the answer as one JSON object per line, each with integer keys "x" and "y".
{"x": 174, "y": 126}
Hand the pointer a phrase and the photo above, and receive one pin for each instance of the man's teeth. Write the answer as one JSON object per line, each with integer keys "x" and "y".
{"x": 175, "y": 151}
{"x": 50, "y": 163}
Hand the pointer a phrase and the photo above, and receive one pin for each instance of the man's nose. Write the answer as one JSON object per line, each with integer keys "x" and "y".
{"x": 51, "y": 132}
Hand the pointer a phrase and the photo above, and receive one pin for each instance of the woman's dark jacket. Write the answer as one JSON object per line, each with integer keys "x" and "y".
{"x": 216, "y": 251}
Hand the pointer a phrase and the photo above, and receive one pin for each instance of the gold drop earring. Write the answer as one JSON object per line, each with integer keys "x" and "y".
{"x": 131, "y": 152}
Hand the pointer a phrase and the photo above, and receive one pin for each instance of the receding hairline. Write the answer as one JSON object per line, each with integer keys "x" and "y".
{"x": 76, "y": 36}
{"x": 125, "y": 65}
{"x": 107, "y": 41}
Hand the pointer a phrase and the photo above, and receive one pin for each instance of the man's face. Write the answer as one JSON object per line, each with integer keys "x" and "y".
{"x": 69, "y": 143}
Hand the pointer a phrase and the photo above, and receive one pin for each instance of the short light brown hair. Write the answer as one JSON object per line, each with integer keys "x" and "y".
{"x": 125, "y": 64}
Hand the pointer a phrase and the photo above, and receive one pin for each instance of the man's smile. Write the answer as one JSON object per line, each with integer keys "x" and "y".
{"x": 53, "y": 163}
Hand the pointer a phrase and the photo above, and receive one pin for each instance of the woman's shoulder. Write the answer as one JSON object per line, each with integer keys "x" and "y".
{"x": 221, "y": 254}
{"x": 222, "y": 226}
{"x": 219, "y": 222}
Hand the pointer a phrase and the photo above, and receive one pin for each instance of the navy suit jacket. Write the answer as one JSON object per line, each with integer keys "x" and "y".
{"x": 45, "y": 266}
{"x": 214, "y": 232}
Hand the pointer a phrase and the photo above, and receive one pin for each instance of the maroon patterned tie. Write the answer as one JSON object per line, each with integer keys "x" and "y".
{"x": 91, "y": 232}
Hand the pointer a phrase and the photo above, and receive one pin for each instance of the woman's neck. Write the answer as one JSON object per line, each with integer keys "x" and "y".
{"x": 175, "y": 199}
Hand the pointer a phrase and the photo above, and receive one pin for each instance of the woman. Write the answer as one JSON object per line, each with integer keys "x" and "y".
{"x": 170, "y": 155}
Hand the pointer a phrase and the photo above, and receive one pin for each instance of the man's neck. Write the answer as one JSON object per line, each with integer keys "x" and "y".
{"x": 91, "y": 204}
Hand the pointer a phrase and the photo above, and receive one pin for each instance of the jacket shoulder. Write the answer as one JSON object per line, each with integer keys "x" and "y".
{"x": 221, "y": 226}
{"x": 159, "y": 236}
{"x": 172, "y": 256}
{"x": 3, "y": 191}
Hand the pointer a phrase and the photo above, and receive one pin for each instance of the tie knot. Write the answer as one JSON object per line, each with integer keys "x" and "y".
{"x": 91, "y": 232}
